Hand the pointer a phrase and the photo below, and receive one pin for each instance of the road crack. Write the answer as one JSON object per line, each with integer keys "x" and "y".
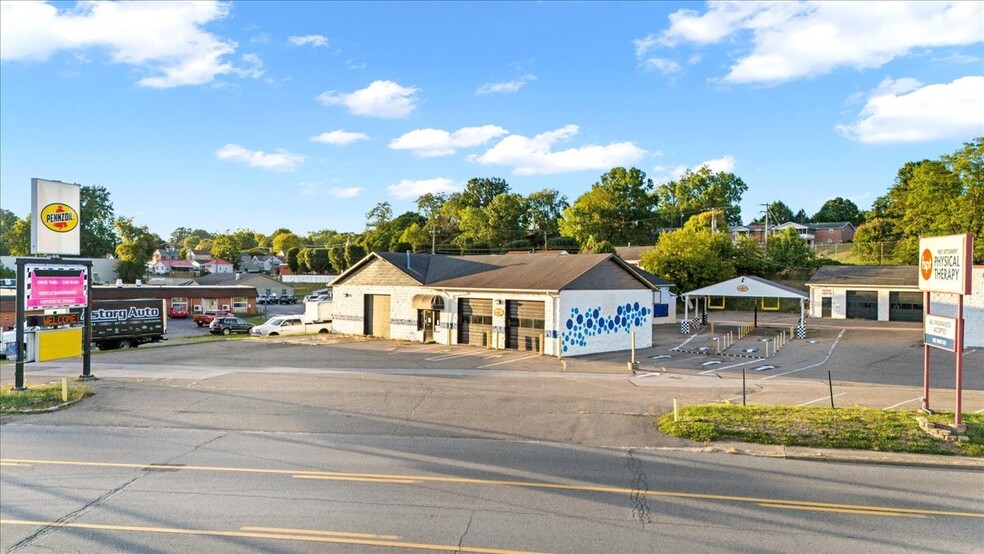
{"x": 640, "y": 490}
{"x": 471, "y": 517}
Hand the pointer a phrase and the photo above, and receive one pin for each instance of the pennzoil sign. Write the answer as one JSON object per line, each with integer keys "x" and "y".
{"x": 60, "y": 218}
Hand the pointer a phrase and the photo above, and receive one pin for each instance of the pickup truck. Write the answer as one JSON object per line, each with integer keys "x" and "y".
{"x": 290, "y": 325}
{"x": 205, "y": 318}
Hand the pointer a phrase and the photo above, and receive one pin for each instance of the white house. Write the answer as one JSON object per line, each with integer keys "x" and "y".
{"x": 560, "y": 303}
{"x": 217, "y": 265}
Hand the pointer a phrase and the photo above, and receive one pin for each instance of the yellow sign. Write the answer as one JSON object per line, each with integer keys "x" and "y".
{"x": 60, "y": 218}
{"x": 59, "y": 343}
{"x": 498, "y": 312}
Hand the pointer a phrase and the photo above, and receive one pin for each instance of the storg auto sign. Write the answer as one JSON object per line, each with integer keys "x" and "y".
{"x": 55, "y": 225}
{"x": 944, "y": 264}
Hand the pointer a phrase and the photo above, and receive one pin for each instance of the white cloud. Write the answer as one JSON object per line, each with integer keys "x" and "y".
{"x": 412, "y": 189}
{"x": 724, "y": 164}
{"x": 785, "y": 35}
{"x": 432, "y": 143}
{"x": 508, "y": 87}
{"x": 717, "y": 165}
{"x": 166, "y": 40}
{"x": 344, "y": 192}
{"x": 384, "y": 99}
{"x": 533, "y": 156}
{"x": 906, "y": 111}
{"x": 339, "y": 137}
{"x": 281, "y": 160}
{"x": 313, "y": 40}
{"x": 663, "y": 65}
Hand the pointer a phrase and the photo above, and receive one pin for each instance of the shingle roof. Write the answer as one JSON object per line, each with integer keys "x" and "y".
{"x": 505, "y": 272}
{"x": 870, "y": 275}
{"x": 230, "y": 279}
{"x": 632, "y": 252}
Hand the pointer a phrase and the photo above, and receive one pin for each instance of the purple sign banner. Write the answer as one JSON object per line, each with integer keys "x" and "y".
{"x": 55, "y": 287}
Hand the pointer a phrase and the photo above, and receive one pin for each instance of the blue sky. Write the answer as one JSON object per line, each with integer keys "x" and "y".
{"x": 305, "y": 115}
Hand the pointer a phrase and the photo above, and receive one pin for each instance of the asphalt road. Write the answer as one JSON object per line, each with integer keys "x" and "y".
{"x": 182, "y": 490}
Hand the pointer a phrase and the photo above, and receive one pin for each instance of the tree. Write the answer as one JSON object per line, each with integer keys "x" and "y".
{"x": 97, "y": 238}
{"x": 378, "y": 216}
{"x": 968, "y": 165}
{"x": 227, "y": 248}
{"x": 698, "y": 191}
{"x": 137, "y": 245}
{"x": 317, "y": 260}
{"x": 749, "y": 257}
{"x": 354, "y": 253}
{"x": 292, "y": 262}
{"x": 414, "y": 234}
{"x": 480, "y": 191}
{"x": 17, "y": 238}
{"x": 874, "y": 239}
{"x": 779, "y": 213}
{"x": 604, "y": 247}
{"x": 506, "y": 215}
{"x": 544, "y": 210}
{"x": 787, "y": 251}
{"x": 7, "y": 222}
{"x": 618, "y": 208}
{"x": 336, "y": 255}
{"x": 838, "y": 209}
{"x": 245, "y": 239}
{"x": 474, "y": 226}
{"x": 690, "y": 259}
{"x": 302, "y": 260}
{"x": 285, "y": 241}
{"x": 801, "y": 217}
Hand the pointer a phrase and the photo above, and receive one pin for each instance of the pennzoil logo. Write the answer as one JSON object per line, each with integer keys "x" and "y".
{"x": 60, "y": 218}
{"x": 742, "y": 288}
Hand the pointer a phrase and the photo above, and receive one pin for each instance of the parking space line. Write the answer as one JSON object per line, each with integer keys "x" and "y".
{"x": 509, "y": 361}
{"x": 728, "y": 367}
{"x": 820, "y": 399}
{"x": 829, "y": 353}
{"x": 686, "y": 342}
{"x": 453, "y": 356}
{"x": 901, "y": 403}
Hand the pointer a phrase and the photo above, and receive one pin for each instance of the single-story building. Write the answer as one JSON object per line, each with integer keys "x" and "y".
{"x": 262, "y": 283}
{"x": 217, "y": 265}
{"x": 557, "y": 303}
{"x": 196, "y": 299}
{"x": 891, "y": 293}
{"x": 877, "y": 292}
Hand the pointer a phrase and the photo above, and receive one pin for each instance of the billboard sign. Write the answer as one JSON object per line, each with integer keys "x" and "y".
{"x": 55, "y": 224}
{"x": 941, "y": 332}
{"x": 945, "y": 264}
{"x": 55, "y": 287}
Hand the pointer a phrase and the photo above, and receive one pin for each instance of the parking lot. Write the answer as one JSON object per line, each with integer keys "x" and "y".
{"x": 180, "y": 328}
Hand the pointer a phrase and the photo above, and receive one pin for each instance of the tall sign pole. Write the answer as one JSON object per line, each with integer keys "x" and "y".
{"x": 945, "y": 267}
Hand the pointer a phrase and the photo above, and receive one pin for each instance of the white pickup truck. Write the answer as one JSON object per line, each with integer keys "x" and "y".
{"x": 290, "y": 325}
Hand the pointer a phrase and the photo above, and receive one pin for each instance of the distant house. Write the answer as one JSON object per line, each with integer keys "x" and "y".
{"x": 259, "y": 264}
{"x": 200, "y": 256}
{"x": 167, "y": 267}
{"x": 217, "y": 265}
{"x": 164, "y": 252}
{"x": 813, "y": 233}
{"x": 262, "y": 283}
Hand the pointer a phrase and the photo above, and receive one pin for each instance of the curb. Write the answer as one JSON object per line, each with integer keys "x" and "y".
{"x": 46, "y": 410}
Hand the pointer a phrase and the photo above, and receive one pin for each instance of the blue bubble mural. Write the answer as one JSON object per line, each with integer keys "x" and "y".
{"x": 582, "y": 325}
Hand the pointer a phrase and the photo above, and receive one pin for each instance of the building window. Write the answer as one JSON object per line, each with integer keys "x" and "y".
{"x": 179, "y": 300}
{"x": 240, "y": 303}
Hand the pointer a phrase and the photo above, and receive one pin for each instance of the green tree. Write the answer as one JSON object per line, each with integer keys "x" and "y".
{"x": 245, "y": 239}
{"x": 137, "y": 245}
{"x": 317, "y": 260}
{"x": 838, "y": 209}
{"x": 506, "y": 214}
{"x": 414, "y": 234}
{"x": 480, "y": 191}
{"x": 7, "y": 221}
{"x": 698, "y": 191}
{"x": 604, "y": 247}
{"x": 801, "y": 217}
{"x": 874, "y": 240}
{"x": 354, "y": 253}
{"x": 779, "y": 213}
{"x": 968, "y": 165}
{"x": 284, "y": 242}
{"x": 473, "y": 226}
{"x": 227, "y": 248}
{"x": 97, "y": 237}
{"x": 292, "y": 262}
{"x": 690, "y": 259}
{"x": 336, "y": 255}
{"x": 544, "y": 210}
{"x": 302, "y": 260}
{"x": 788, "y": 251}
{"x": 17, "y": 238}
{"x": 749, "y": 257}
{"x": 619, "y": 208}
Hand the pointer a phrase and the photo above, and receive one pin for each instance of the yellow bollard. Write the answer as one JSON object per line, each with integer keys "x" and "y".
{"x": 633, "y": 348}
{"x": 64, "y": 389}
{"x": 488, "y": 340}
{"x": 767, "y": 349}
{"x": 676, "y": 412}
{"x": 541, "y": 344}
{"x": 559, "y": 342}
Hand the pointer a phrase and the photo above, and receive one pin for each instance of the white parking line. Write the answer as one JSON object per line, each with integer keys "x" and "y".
{"x": 831, "y": 351}
{"x": 901, "y": 403}
{"x": 453, "y": 356}
{"x": 820, "y": 399}
{"x": 728, "y": 367}
{"x": 684, "y": 343}
{"x": 509, "y": 361}
{"x": 981, "y": 411}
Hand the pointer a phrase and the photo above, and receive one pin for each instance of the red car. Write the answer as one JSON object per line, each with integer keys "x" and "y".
{"x": 178, "y": 311}
{"x": 205, "y": 318}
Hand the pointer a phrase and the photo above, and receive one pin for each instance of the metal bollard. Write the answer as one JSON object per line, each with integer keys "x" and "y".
{"x": 541, "y": 344}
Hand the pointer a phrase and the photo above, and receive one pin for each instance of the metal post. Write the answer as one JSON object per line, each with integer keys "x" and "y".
{"x": 925, "y": 399}
{"x": 830, "y": 383}
{"x": 743, "y": 386}
{"x": 87, "y": 328}
{"x": 19, "y": 327}
{"x": 959, "y": 348}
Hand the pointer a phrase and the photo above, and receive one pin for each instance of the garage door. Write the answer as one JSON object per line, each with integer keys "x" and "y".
{"x": 474, "y": 320}
{"x": 377, "y": 315}
{"x": 905, "y": 306}
{"x": 524, "y": 324}
{"x": 862, "y": 304}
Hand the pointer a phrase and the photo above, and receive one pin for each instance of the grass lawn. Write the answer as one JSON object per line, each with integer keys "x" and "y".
{"x": 854, "y": 428}
{"x": 38, "y": 397}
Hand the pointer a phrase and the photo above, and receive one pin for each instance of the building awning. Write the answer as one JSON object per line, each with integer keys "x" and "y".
{"x": 428, "y": 302}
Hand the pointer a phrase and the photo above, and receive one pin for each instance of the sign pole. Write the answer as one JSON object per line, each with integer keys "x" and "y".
{"x": 925, "y": 399}
{"x": 87, "y": 329}
{"x": 19, "y": 328}
{"x": 959, "y": 348}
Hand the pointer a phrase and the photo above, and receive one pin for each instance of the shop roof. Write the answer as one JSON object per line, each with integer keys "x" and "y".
{"x": 867, "y": 275}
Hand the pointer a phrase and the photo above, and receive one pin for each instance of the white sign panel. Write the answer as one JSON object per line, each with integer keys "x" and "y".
{"x": 55, "y": 224}
{"x": 944, "y": 264}
{"x": 941, "y": 332}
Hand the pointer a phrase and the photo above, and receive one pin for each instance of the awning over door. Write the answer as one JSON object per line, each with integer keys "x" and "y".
{"x": 428, "y": 302}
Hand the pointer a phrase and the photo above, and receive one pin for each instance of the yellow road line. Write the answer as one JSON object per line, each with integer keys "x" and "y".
{"x": 281, "y": 536}
{"x": 390, "y": 478}
{"x": 13, "y": 464}
{"x": 843, "y": 511}
{"x": 361, "y": 479}
{"x": 316, "y": 532}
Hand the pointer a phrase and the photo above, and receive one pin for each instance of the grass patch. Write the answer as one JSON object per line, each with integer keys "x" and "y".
{"x": 38, "y": 397}
{"x": 854, "y": 428}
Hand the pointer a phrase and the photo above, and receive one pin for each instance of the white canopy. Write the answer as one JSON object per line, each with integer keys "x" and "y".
{"x": 748, "y": 287}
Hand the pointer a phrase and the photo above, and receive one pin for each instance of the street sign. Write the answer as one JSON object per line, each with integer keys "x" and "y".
{"x": 944, "y": 264}
{"x": 941, "y": 332}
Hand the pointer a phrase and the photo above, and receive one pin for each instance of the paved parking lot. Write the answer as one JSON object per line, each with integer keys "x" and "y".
{"x": 180, "y": 328}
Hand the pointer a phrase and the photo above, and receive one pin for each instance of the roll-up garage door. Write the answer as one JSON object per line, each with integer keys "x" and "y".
{"x": 862, "y": 304}
{"x": 377, "y": 315}
{"x": 474, "y": 320}
{"x": 905, "y": 306}
{"x": 524, "y": 324}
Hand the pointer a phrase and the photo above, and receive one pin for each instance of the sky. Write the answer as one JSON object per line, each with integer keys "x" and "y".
{"x": 305, "y": 115}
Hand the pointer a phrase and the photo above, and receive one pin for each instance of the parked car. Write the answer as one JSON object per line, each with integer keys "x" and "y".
{"x": 290, "y": 325}
{"x": 229, "y": 325}
{"x": 178, "y": 311}
{"x": 287, "y": 299}
{"x": 206, "y": 317}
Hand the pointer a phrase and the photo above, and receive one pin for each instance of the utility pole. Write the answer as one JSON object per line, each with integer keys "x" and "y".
{"x": 767, "y": 226}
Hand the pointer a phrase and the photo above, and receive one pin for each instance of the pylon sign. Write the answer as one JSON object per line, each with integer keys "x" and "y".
{"x": 944, "y": 264}
{"x": 55, "y": 224}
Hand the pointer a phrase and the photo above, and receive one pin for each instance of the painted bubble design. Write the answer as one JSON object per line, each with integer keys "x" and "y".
{"x": 584, "y": 324}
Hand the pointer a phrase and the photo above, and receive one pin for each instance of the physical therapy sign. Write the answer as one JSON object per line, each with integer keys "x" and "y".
{"x": 55, "y": 224}
{"x": 944, "y": 264}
